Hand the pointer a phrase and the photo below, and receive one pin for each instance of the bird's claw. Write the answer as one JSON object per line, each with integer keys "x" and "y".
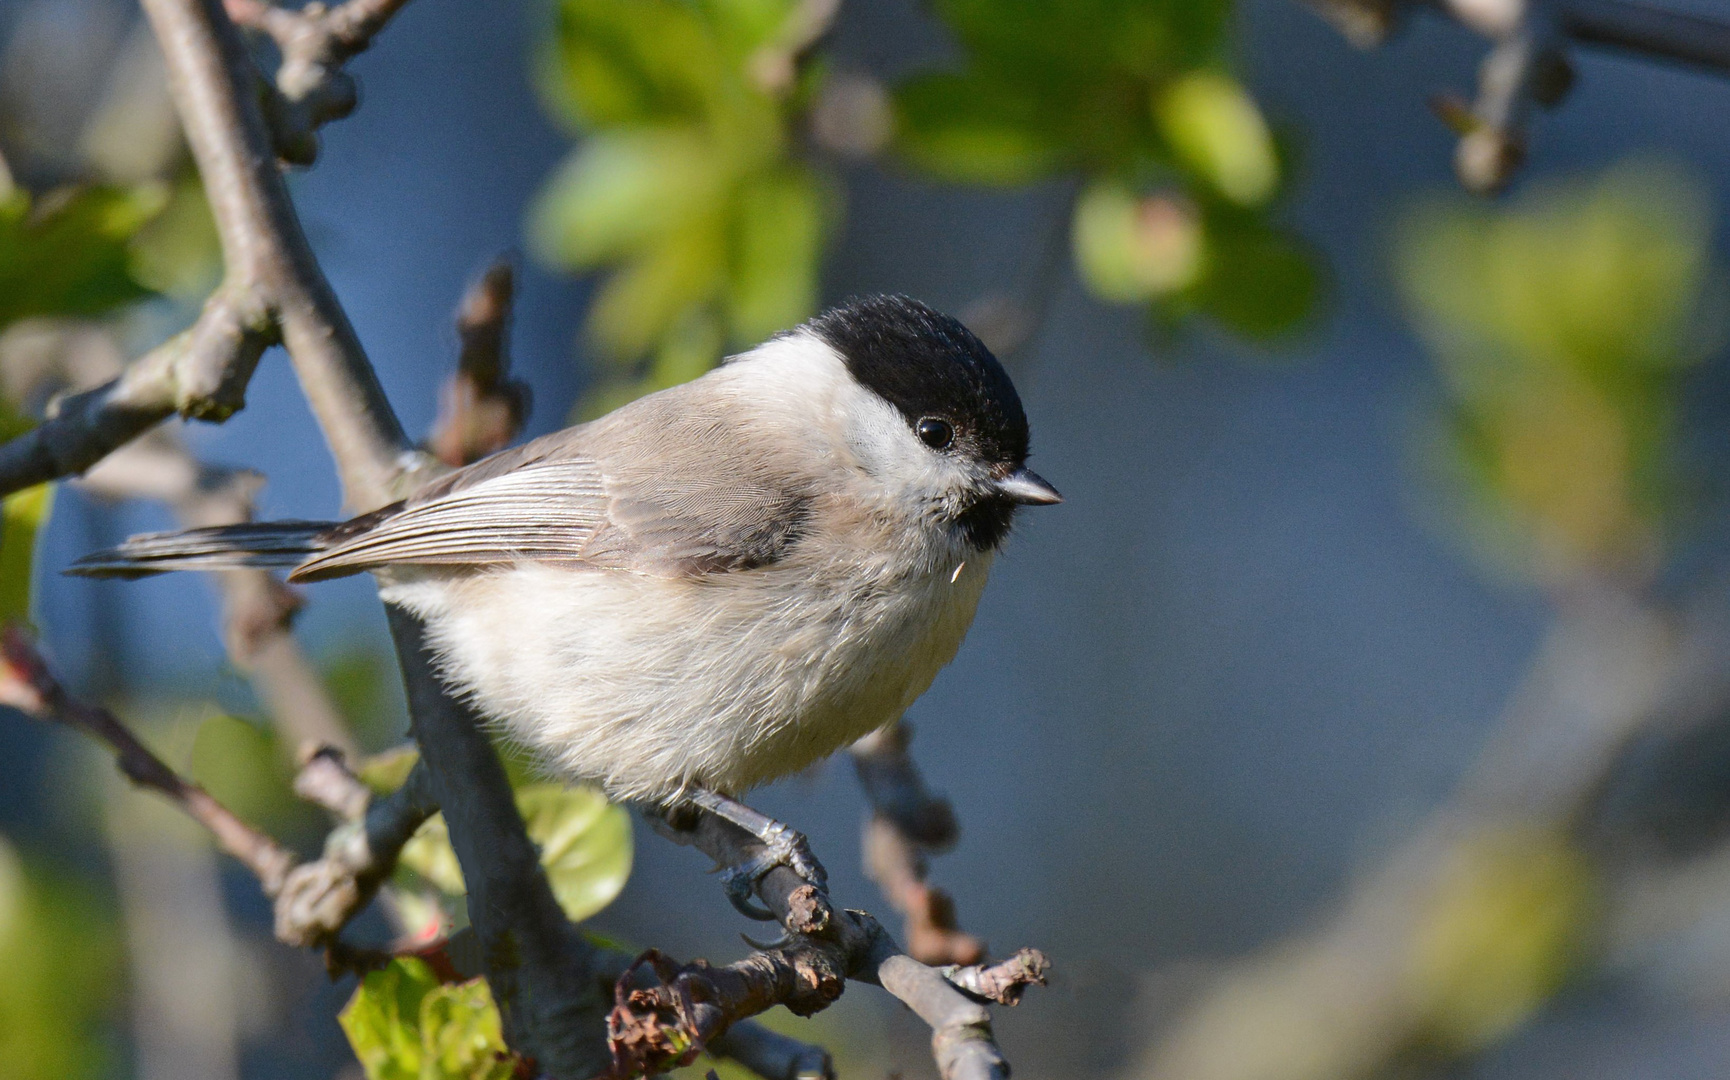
{"x": 782, "y": 846}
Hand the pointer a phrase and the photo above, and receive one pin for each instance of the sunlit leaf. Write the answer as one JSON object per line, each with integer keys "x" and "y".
{"x": 177, "y": 252}
{"x": 585, "y": 845}
{"x": 69, "y": 252}
{"x": 1214, "y": 127}
{"x": 60, "y": 960}
{"x": 620, "y": 191}
{"x": 403, "y": 1024}
{"x": 1502, "y": 930}
{"x": 777, "y": 245}
{"x": 648, "y": 296}
{"x": 26, "y": 512}
{"x": 1132, "y": 247}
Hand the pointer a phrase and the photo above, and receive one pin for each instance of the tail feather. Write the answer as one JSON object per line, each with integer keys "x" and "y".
{"x": 221, "y": 547}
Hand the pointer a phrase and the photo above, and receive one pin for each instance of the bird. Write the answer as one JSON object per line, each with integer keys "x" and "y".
{"x": 713, "y": 586}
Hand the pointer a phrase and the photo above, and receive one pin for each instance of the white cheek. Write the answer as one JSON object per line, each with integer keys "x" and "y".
{"x": 886, "y": 448}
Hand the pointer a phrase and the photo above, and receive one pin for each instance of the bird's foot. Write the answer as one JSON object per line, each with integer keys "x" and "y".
{"x": 781, "y": 846}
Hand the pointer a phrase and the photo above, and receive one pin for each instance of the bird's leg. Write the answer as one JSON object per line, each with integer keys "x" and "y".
{"x": 781, "y": 846}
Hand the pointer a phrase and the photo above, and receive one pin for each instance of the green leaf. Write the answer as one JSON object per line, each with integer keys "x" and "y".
{"x": 1259, "y": 283}
{"x": 403, "y": 1024}
{"x": 585, "y": 844}
{"x": 967, "y": 131}
{"x": 621, "y": 191}
{"x": 26, "y": 512}
{"x": 61, "y": 962}
{"x": 1133, "y": 248}
{"x": 645, "y": 299}
{"x": 244, "y": 768}
{"x": 1214, "y": 127}
{"x": 777, "y": 246}
{"x": 69, "y": 253}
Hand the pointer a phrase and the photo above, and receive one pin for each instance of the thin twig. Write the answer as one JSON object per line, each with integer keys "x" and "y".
{"x": 1527, "y": 65}
{"x": 315, "y": 41}
{"x": 905, "y": 824}
{"x": 27, "y": 685}
{"x": 806, "y": 971}
{"x": 482, "y": 407}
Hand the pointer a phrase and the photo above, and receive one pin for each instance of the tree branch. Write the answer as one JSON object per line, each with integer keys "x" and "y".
{"x": 315, "y": 41}
{"x": 313, "y": 901}
{"x": 906, "y": 823}
{"x": 482, "y": 407}
{"x": 272, "y": 290}
{"x": 540, "y": 969}
{"x": 806, "y": 971}
{"x": 1527, "y": 65}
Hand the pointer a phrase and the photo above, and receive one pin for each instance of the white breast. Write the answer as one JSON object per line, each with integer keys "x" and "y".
{"x": 645, "y": 684}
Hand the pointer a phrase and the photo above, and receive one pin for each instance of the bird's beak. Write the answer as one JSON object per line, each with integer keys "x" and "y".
{"x": 1026, "y": 487}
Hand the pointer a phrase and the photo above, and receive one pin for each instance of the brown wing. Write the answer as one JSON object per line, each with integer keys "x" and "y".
{"x": 664, "y": 503}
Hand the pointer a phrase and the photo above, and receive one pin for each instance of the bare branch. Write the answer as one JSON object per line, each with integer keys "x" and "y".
{"x": 806, "y": 972}
{"x": 272, "y": 290}
{"x": 539, "y": 967}
{"x": 482, "y": 408}
{"x": 315, "y": 41}
{"x": 27, "y": 685}
{"x": 906, "y": 823}
{"x": 1527, "y": 65}
{"x": 200, "y": 373}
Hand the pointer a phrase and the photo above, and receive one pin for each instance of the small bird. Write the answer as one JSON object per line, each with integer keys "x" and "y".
{"x": 713, "y": 586}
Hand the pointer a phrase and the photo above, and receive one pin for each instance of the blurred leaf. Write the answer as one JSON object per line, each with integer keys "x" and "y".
{"x": 243, "y": 768}
{"x": 1133, "y": 248}
{"x": 178, "y": 252}
{"x": 403, "y": 1024}
{"x": 26, "y": 512}
{"x": 620, "y": 191}
{"x": 684, "y": 191}
{"x": 1214, "y": 127}
{"x": 1500, "y": 933}
{"x": 1259, "y": 282}
{"x": 69, "y": 253}
{"x": 386, "y": 772}
{"x": 956, "y": 129}
{"x": 777, "y": 247}
{"x": 650, "y": 294}
{"x": 61, "y": 958}
{"x": 1560, "y": 326}
{"x": 585, "y": 844}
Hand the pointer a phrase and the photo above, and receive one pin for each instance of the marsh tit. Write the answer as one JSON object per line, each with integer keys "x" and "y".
{"x": 713, "y": 586}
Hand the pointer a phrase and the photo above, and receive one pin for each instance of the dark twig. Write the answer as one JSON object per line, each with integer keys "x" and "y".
{"x": 313, "y": 900}
{"x": 806, "y": 971}
{"x": 540, "y": 969}
{"x": 1527, "y": 65}
{"x": 27, "y": 685}
{"x": 315, "y": 41}
{"x": 273, "y": 290}
{"x": 906, "y": 823}
{"x": 482, "y": 407}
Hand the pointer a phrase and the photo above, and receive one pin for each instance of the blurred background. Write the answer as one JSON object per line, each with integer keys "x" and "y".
{"x": 1364, "y": 711}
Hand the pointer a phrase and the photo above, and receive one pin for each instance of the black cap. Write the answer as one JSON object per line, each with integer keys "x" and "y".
{"x": 927, "y": 364}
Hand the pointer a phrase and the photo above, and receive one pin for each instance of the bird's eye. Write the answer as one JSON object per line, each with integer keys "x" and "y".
{"x": 935, "y": 433}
